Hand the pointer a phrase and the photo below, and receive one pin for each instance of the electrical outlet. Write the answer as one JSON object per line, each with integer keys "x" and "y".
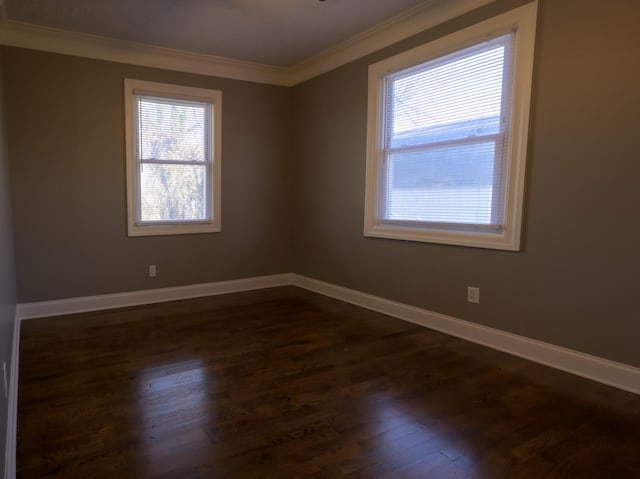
{"x": 473, "y": 294}
{"x": 153, "y": 271}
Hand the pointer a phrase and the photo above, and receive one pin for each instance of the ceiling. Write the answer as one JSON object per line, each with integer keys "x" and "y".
{"x": 271, "y": 32}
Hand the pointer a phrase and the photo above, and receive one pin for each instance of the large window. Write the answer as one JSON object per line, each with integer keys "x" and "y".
{"x": 447, "y": 136}
{"x": 173, "y": 158}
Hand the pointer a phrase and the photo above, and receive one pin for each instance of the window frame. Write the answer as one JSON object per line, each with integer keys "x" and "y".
{"x": 521, "y": 21}
{"x": 137, "y": 227}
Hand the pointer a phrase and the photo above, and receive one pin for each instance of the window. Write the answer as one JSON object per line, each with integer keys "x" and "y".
{"x": 173, "y": 158}
{"x": 447, "y": 135}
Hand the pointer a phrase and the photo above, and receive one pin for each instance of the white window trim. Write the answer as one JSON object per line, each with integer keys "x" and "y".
{"x": 522, "y": 20}
{"x": 214, "y": 196}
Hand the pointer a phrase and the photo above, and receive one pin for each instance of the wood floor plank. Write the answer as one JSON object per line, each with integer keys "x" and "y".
{"x": 284, "y": 383}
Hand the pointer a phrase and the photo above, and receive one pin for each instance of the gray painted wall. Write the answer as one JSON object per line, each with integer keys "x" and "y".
{"x": 66, "y": 130}
{"x": 7, "y": 274}
{"x": 573, "y": 284}
{"x": 575, "y": 281}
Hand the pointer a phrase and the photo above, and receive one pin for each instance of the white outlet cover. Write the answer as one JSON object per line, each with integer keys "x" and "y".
{"x": 473, "y": 294}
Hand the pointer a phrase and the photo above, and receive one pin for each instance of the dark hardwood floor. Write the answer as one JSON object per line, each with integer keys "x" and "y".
{"x": 283, "y": 383}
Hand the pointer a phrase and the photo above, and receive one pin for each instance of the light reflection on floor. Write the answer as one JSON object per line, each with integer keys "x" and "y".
{"x": 410, "y": 444}
{"x": 170, "y": 399}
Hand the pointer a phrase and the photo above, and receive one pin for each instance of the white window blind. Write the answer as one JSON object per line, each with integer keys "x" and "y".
{"x": 173, "y": 149}
{"x": 446, "y": 126}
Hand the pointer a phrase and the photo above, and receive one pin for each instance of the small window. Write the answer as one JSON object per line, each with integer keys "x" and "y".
{"x": 447, "y": 136}
{"x": 173, "y": 158}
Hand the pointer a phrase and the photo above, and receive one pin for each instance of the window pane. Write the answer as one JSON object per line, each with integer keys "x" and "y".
{"x": 173, "y": 192}
{"x": 444, "y": 137}
{"x": 449, "y": 98}
{"x": 171, "y": 130}
{"x": 451, "y": 184}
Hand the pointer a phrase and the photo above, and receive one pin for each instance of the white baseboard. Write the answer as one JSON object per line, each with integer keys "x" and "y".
{"x": 12, "y": 406}
{"x": 148, "y": 296}
{"x": 614, "y": 374}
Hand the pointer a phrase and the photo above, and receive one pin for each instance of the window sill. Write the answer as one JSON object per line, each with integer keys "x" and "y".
{"x": 172, "y": 229}
{"x": 503, "y": 240}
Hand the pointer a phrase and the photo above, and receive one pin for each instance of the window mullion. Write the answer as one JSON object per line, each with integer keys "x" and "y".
{"x": 439, "y": 144}
{"x": 155, "y": 161}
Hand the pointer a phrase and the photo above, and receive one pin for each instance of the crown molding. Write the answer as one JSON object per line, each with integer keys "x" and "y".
{"x": 395, "y": 29}
{"x": 411, "y": 22}
{"x": 34, "y": 37}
